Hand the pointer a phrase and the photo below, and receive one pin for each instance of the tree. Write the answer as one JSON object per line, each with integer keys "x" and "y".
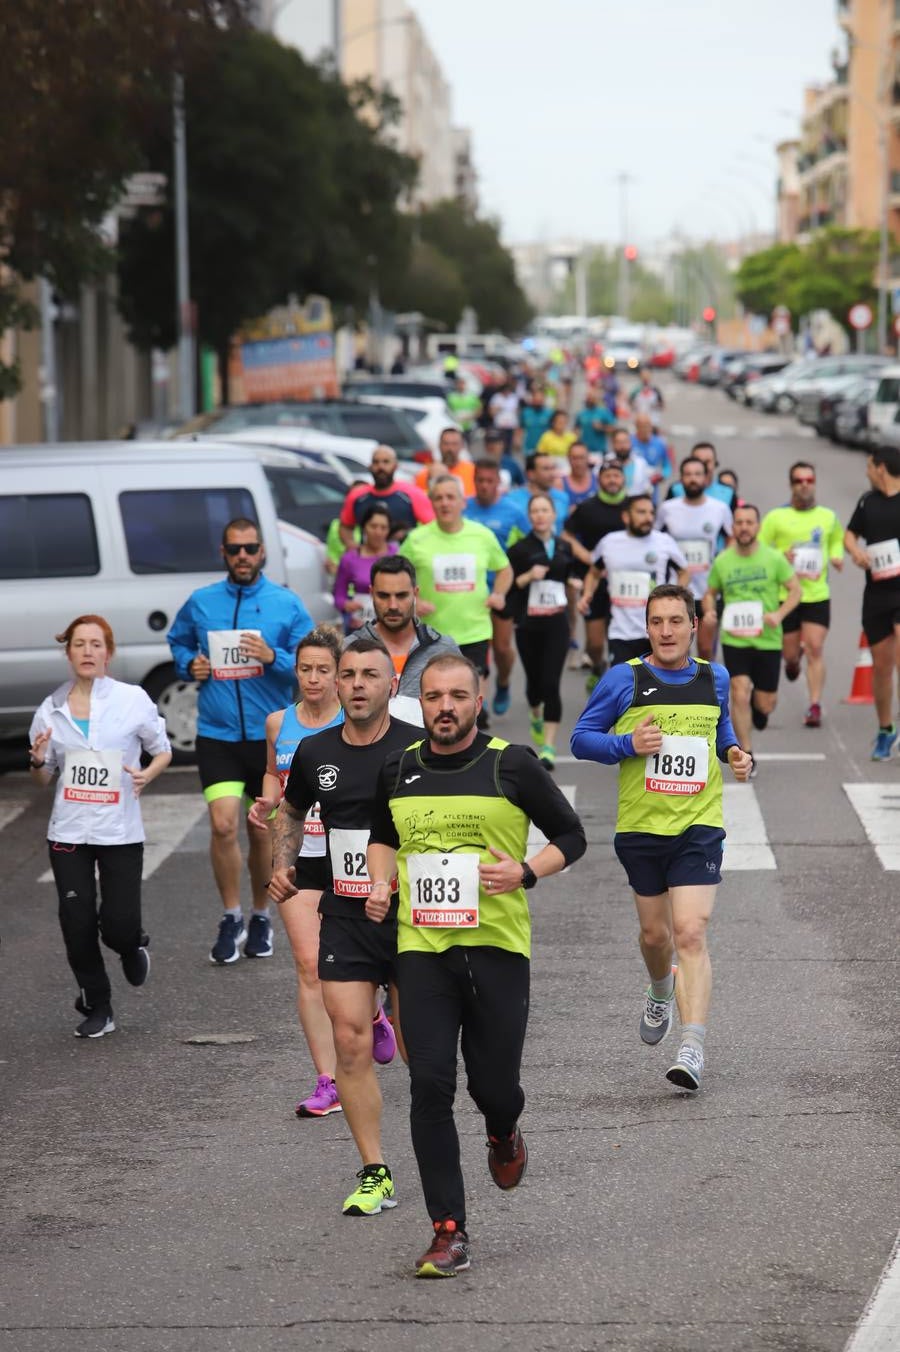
{"x": 759, "y": 282}
{"x": 82, "y": 81}
{"x": 832, "y": 272}
{"x": 473, "y": 247}
{"x": 433, "y": 285}
{"x": 291, "y": 189}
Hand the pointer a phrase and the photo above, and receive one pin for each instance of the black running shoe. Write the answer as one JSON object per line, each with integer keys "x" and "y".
{"x": 760, "y": 720}
{"x": 98, "y": 1023}
{"x": 136, "y": 964}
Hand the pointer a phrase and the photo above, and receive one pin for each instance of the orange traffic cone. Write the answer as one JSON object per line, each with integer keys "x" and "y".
{"x": 861, "y": 687}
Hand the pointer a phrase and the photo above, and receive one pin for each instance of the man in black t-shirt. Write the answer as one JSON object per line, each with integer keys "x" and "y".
{"x": 584, "y": 530}
{"x": 339, "y": 769}
{"x": 876, "y": 520}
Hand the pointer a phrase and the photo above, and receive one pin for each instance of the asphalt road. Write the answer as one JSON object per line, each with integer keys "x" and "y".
{"x": 159, "y": 1195}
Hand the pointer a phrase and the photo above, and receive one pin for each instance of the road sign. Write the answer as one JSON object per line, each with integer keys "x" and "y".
{"x": 781, "y": 321}
{"x": 860, "y": 316}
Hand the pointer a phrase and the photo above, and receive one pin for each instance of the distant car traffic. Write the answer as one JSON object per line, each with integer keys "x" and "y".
{"x": 851, "y": 416}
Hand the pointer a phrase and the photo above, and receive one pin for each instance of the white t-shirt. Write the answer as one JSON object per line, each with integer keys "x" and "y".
{"x": 504, "y": 409}
{"x": 635, "y": 564}
{"x": 696, "y": 526}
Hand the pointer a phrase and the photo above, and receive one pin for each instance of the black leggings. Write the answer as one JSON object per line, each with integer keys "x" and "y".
{"x": 484, "y": 993}
{"x": 118, "y": 920}
{"x": 543, "y": 648}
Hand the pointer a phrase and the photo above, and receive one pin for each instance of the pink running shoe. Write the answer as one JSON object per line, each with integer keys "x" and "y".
{"x": 322, "y": 1101}
{"x": 384, "y": 1041}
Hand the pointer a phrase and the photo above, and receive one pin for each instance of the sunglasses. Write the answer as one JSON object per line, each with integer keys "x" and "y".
{"x": 233, "y": 550}
{"x": 806, "y": 479}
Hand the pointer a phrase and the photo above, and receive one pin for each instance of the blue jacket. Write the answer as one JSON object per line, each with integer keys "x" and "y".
{"x": 236, "y": 711}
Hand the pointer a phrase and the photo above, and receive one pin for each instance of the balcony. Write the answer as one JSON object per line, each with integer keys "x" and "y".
{"x": 894, "y": 188}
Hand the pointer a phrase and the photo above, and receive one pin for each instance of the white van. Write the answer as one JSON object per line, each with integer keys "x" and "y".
{"x": 885, "y": 404}
{"x": 128, "y": 530}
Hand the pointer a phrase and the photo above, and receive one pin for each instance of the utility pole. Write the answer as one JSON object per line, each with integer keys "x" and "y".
{"x": 624, "y": 289}
{"x": 186, "y": 399}
{"x": 336, "y": 34}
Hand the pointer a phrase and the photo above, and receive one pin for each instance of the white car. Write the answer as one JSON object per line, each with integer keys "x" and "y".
{"x": 430, "y": 414}
{"x": 355, "y": 453}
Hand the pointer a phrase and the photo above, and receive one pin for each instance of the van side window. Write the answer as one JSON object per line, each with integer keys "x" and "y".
{"x": 179, "y": 530}
{"x": 888, "y": 391}
{"x": 47, "y": 535}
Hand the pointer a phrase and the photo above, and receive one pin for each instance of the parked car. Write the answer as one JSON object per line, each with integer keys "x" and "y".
{"x": 851, "y": 419}
{"x": 128, "y": 530}
{"x": 753, "y": 366}
{"x": 813, "y": 393}
{"x": 780, "y": 393}
{"x": 884, "y": 406}
{"x": 711, "y": 367}
{"x": 622, "y": 350}
{"x": 888, "y": 434}
{"x": 687, "y": 367}
{"x": 430, "y": 414}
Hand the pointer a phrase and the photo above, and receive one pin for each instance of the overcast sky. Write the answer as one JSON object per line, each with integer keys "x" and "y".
{"x": 687, "y": 96}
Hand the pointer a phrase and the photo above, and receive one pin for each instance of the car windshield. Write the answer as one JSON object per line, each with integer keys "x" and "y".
{"x": 260, "y": 415}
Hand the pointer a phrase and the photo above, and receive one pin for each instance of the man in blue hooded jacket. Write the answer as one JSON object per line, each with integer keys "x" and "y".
{"x": 238, "y": 639}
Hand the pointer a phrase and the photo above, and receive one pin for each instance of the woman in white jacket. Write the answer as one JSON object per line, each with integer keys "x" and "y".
{"x": 89, "y": 735}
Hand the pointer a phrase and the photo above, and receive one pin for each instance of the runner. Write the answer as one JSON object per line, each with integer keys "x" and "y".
{"x": 512, "y": 474}
{"x": 811, "y": 538}
{"x": 655, "y": 450}
{"x": 581, "y": 481}
{"x": 542, "y": 565}
{"x": 540, "y": 475}
{"x": 558, "y": 437}
{"x": 318, "y": 707}
{"x": 504, "y": 410}
{"x": 584, "y": 530}
{"x": 634, "y": 560}
{"x": 395, "y": 595}
{"x": 706, "y": 451}
{"x": 594, "y": 422}
{"x": 351, "y": 585}
{"x": 339, "y": 769}
{"x": 451, "y": 447}
{"x": 750, "y": 577}
{"x": 451, "y": 816}
{"x": 465, "y": 407}
{"x": 452, "y": 558}
{"x": 876, "y": 519}
{"x": 238, "y": 639}
{"x": 670, "y": 782}
{"x": 91, "y": 733}
{"x": 494, "y": 510}
{"x": 638, "y": 474}
{"x": 534, "y": 419}
{"x": 698, "y": 522}
{"x": 647, "y": 398}
{"x": 407, "y": 504}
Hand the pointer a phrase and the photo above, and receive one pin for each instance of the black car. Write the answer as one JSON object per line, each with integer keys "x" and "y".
{"x": 751, "y": 367}
{"x": 310, "y": 501}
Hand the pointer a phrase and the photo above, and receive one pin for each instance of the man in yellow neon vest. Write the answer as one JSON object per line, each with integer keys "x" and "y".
{"x": 663, "y": 719}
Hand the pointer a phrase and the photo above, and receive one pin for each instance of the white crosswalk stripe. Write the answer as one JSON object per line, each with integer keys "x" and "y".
{"x": 746, "y": 843}
{"x": 9, "y": 811}
{"x": 773, "y": 431}
{"x": 167, "y": 820}
{"x": 878, "y": 808}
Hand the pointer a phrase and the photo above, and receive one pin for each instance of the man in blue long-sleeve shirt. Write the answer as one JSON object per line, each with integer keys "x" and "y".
{"x": 238, "y": 640}
{"x": 663, "y": 719}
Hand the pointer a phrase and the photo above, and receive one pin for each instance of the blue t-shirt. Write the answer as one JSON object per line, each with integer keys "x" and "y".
{"x": 500, "y": 517}
{"x": 594, "y": 437}
{"x": 654, "y": 452}
{"x": 724, "y": 492}
{"x": 577, "y": 496}
{"x": 535, "y": 422}
{"x": 514, "y": 470}
{"x": 520, "y": 498}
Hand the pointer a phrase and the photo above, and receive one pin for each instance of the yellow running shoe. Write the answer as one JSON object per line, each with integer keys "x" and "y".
{"x": 375, "y": 1192}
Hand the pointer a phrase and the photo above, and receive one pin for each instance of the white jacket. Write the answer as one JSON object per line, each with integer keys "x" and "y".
{"x": 95, "y": 802}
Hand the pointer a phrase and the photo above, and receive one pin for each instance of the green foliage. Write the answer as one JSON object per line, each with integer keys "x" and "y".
{"x": 433, "y": 285}
{"x": 289, "y": 190}
{"x": 465, "y": 252}
{"x": 649, "y": 301}
{"x": 15, "y": 313}
{"x": 834, "y": 271}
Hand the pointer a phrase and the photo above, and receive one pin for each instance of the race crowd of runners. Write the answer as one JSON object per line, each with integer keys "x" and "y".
{"x": 386, "y": 820}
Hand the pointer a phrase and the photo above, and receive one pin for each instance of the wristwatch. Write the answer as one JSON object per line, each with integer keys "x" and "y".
{"x": 529, "y": 877}
{"x": 35, "y": 764}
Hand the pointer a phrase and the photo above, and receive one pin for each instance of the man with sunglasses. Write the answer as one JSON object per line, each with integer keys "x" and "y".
{"x": 237, "y": 639}
{"x": 811, "y": 537}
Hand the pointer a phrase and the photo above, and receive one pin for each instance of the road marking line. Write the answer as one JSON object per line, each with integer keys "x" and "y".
{"x": 878, "y": 808}
{"x": 167, "y": 820}
{"x": 791, "y": 756}
{"x": 682, "y": 430}
{"x": 879, "y": 1327}
{"x": 725, "y": 430}
{"x": 746, "y": 844}
{"x": 9, "y": 811}
{"x": 536, "y": 839}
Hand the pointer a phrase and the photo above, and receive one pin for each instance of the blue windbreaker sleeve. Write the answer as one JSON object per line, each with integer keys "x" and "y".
{"x": 183, "y": 640}
{"x": 725, "y": 734}
{"x": 592, "y": 738}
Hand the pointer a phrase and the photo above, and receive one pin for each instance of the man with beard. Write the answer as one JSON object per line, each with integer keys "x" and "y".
{"x": 408, "y": 505}
{"x": 238, "y": 639}
{"x": 338, "y": 768}
{"x": 410, "y": 643}
{"x": 451, "y": 818}
{"x": 698, "y": 522}
{"x": 634, "y": 561}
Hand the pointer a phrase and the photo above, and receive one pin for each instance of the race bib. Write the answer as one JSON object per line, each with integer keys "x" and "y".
{"x": 454, "y": 572}
{"x": 546, "y": 598}
{"x": 348, "y": 863}
{"x": 443, "y": 890}
{"x": 697, "y": 554}
{"x": 312, "y": 824}
{"x": 93, "y": 777}
{"x": 744, "y": 619}
{"x": 407, "y": 709}
{"x": 680, "y": 766}
{"x": 884, "y": 559}
{"x": 366, "y": 610}
{"x": 808, "y": 561}
{"x": 629, "y": 589}
{"x": 225, "y": 655}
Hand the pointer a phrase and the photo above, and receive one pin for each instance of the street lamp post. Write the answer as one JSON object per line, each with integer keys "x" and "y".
{"x": 186, "y": 400}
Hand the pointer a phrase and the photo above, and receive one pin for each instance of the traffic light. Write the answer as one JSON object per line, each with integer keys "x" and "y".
{"x": 709, "y": 314}
{"x": 631, "y": 252}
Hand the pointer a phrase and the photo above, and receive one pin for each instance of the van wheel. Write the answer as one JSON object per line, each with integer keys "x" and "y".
{"x": 785, "y": 403}
{"x": 177, "y": 703}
